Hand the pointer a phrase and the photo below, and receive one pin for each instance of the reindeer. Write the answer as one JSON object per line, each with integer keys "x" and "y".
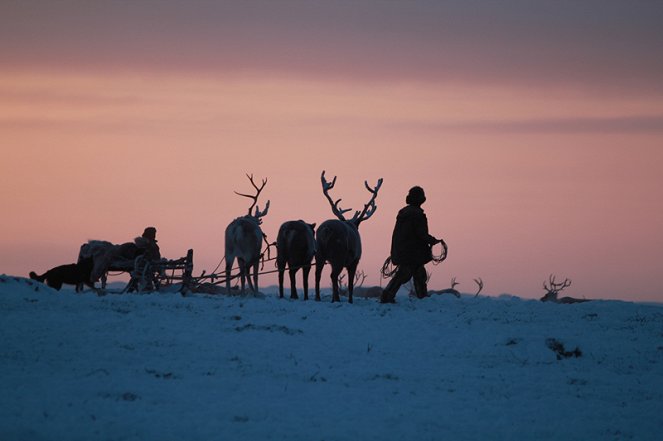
{"x": 295, "y": 245}
{"x": 454, "y": 291}
{"x": 357, "y": 284}
{"x": 244, "y": 241}
{"x": 358, "y": 287}
{"x": 553, "y": 288}
{"x": 338, "y": 241}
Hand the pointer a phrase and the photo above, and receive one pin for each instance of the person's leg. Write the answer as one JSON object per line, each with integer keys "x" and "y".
{"x": 402, "y": 275}
{"x": 420, "y": 279}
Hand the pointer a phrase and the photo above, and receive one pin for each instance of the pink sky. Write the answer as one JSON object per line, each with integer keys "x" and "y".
{"x": 546, "y": 163}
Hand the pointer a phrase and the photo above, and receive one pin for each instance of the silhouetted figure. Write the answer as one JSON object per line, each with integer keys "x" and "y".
{"x": 410, "y": 247}
{"x": 146, "y": 255}
{"x": 295, "y": 245}
{"x": 338, "y": 240}
{"x": 147, "y": 245}
{"x": 72, "y": 274}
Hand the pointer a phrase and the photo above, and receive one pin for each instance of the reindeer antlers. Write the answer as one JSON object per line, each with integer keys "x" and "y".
{"x": 258, "y": 214}
{"x": 370, "y": 207}
{"x": 479, "y": 282}
{"x": 555, "y": 287}
{"x": 326, "y": 186}
{"x": 359, "y": 216}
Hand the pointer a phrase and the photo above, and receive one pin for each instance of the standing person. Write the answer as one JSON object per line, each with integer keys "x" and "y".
{"x": 410, "y": 247}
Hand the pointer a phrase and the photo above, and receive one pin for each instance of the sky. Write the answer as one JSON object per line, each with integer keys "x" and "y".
{"x": 534, "y": 127}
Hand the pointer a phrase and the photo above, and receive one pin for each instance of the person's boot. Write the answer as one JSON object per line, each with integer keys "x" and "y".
{"x": 421, "y": 290}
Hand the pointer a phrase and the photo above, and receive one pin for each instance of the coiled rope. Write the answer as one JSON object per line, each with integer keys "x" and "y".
{"x": 439, "y": 258}
{"x": 389, "y": 268}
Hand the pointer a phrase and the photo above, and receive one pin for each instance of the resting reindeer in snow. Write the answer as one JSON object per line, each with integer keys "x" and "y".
{"x": 453, "y": 291}
{"x": 244, "y": 241}
{"x": 338, "y": 241}
{"x": 552, "y": 291}
{"x": 295, "y": 245}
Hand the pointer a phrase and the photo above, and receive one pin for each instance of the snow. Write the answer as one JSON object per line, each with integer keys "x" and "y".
{"x": 211, "y": 367}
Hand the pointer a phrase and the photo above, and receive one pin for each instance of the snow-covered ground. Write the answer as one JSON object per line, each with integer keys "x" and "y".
{"x": 202, "y": 367}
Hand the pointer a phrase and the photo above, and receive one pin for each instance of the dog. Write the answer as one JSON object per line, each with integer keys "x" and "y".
{"x": 72, "y": 274}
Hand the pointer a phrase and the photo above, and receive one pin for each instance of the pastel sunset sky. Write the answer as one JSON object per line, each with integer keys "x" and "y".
{"x": 536, "y": 129}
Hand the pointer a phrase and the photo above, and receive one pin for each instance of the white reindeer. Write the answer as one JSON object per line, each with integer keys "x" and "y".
{"x": 244, "y": 241}
{"x": 338, "y": 241}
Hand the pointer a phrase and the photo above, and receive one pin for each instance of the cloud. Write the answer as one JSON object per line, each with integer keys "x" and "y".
{"x": 597, "y": 45}
{"x": 627, "y": 124}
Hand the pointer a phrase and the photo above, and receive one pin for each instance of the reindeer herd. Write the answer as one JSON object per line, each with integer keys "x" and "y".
{"x": 336, "y": 241}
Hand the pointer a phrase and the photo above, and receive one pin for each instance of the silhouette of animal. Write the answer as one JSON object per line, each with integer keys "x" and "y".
{"x": 552, "y": 291}
{"x": 244, "y": 241}
{"x": 107, "y": 256}
{"x": 71, "y": 274}
{"x": 453, "y": 291}
{"x": 295, "y": 245}
{"x": 338, "y": 241}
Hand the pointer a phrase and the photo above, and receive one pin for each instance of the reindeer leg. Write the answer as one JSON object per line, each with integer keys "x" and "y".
{"x": 319, "y": 264}
{"x": 305, "y": 271}
{"x": 352, "y": 270}
{"x": 229, "y": 265}
{"x": 251, "y": 277}
{"x": 334, "y": 278}
{"x": 256, "y": 268}
{"x": 293, "y": 283}
{"x": 242, "y": 274}
{"x": 281, "y": 274}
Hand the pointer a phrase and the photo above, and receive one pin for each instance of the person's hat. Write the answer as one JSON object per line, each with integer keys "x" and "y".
{"x": 416, "y": 196}
{"x": 150, "y": 233}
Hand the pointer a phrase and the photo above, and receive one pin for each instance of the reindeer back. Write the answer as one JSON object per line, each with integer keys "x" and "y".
{"x": 338, "y": 241}
{"x": 295, "y": 242}
{"x": 244, "y": 239}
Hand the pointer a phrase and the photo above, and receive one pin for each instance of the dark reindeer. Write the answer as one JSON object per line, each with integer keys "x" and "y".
{"x": 453, "y": 291}
{"x": 295, "y": 245}
{"x": 244, "y": 241}
{"x": 338, "y": 241}
{"x": 552, "y": 291}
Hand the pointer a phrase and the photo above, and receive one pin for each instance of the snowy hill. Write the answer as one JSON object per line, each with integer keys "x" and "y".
{"x": 167, "y": 367}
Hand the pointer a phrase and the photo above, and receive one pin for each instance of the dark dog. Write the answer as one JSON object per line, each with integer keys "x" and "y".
{"x": 72, "y": 274}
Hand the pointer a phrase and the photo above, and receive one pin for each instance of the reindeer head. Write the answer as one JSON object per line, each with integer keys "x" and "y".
{"x": 553, "y": 288}
{"x": 359, "y": 216}
{"x": 257, "y": 215}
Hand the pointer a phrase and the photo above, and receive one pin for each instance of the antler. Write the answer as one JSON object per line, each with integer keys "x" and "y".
{"x": 555, "y": 287}
{"x": 359, "y": 216}
{"x": 454, "y": 283}
{"x": 326, "y": 186}
{"x": 479, "y": 282}
{"x": 258, "y": 214}
{"x": 359, "y": 279}
{"x": 370, "y": 206}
